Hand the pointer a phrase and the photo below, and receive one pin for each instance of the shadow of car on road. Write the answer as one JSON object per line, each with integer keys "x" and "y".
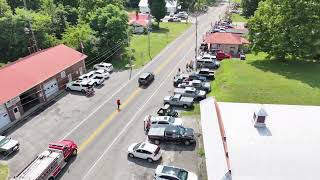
{"x": 144, "y": 163}
{"x": 9, "y": 156}
{"x": 66, "y": 168}
{"x": 178, "y": 147}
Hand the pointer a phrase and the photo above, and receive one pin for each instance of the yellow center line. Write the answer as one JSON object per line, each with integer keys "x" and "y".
{"x": 107, "y": 121}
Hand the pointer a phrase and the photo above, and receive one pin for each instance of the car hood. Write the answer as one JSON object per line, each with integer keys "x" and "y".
{"x": 189, "y": 132}
{"x": 206, "y": 84}
{"x": 10, "y": 144}
{"x": 192, "y": 176}
{"x": 166, "y": 98}
{"x": 202, "y": 93}
{"x": 177, "y": 122}
{"x": 130, "y": 148}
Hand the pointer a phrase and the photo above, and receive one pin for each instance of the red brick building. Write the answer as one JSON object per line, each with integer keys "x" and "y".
{"x": 30, "y": 82}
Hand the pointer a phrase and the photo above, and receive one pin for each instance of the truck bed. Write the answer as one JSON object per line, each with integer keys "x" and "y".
{"x": 156, "y": 131}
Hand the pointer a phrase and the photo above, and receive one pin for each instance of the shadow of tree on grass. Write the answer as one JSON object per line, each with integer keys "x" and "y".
{"x": 305, "y": 71}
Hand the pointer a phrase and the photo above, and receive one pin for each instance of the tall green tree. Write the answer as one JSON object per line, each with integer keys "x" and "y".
{"x": 249, "y": 7}
{"x": 158, "y": 9}
{"x": 15, "y": 37}
{"x": 4, "y": 8}
{"x": 286, "y": 28}
{"x": 111, "y": 26}
{"x": 31, "y": 4}
{"x": 82, "y": 33}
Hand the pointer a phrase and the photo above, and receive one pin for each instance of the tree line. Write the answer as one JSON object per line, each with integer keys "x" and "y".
{"x": 97, "y": 25}
{"x": 284, "y": 29}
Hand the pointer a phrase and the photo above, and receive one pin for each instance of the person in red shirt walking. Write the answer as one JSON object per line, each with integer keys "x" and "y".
{"x": 118, "y": 104}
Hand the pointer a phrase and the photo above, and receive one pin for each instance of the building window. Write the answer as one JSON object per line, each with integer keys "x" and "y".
{"x": 63, "y": 74}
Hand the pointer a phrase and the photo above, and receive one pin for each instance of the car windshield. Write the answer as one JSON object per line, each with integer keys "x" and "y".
{"x": 183, "y": 175}
{"x": 4, "y": 141}
{"x": 182, "y": 130}
{"x": 136, "y": 146}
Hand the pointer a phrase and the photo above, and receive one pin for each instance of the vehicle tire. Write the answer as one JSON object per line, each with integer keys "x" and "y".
{"x": 131, "y": 155}
{"x": 166, "y": 103}
{"x": 185, "y": 106}
{"x": 150, "y": 160}
{"x": 83, "y": 91}
{"x": 51, "y": 178}
{"x": 187, "y": 143}
{"x": 95, "y": 84}
{"x": 157, "y": 142}
{"x": 68, "y": 89}
{"x": 74, "y": 152}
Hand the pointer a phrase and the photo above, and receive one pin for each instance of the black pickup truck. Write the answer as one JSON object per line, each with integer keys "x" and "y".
{"x": 180, "y": 134}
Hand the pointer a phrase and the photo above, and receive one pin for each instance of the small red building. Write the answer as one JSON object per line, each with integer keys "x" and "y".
{"x": 139, "y": 22}
{"x": 30, "y": 82}
{"x": 227, "y": 42}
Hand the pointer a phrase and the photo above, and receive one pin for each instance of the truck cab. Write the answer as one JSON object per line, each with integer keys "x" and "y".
{"x": 68, "y": 147}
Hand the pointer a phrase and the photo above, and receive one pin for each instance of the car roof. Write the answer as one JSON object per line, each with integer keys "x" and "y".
{"x": 166, "y": 106}
{"x": 205, "y": 69}
{"x": 100, "y": 71}
{"x": 177, "y": 96}
{"x": 105, "y": 64}
{"x": 148, "y": 146}
{"x": 144, "y": 75}
{"x": 172, "y": 128}
{"x": 86, "y": 81}
{"x": 160, "y": 118}
{"x": 190, "y": 88}
{"x": 2, "y": 137}
{"x": 196, "y": 81}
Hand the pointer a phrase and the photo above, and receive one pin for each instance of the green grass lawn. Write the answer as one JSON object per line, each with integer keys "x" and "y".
{"x": 258, "y": 80}
{"x": 236, "y": 1}
{"x": 3, "y": 172}
{"x": 238, "y": 18}
{"x": 159, "y": 39}
{"x": 2, "y": 64}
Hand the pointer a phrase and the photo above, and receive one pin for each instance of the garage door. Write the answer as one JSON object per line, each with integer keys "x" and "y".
{"x": 4, "y": 116}
{"x": 50, "y": 87}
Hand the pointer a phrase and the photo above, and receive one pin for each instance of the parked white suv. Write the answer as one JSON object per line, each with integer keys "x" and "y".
{"x": 164, "y": 120}
{"x": 8, "y": 145}
{"x": 145, "y": 150}
{"x": 97, "y": 79}
{"x": 104, "y": 66}
{"x": 173, "y": 173}
{"x": 104, "y": 73}
{"x": 79, "y": 85}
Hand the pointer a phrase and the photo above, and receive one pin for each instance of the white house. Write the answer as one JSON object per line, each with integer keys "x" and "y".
{"x": 170, "y": 4}
{"x": 144, "y": 6}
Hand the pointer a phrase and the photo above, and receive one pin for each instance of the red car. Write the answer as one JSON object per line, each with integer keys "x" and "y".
{"x": 222, "y": 55}
{"x": 68, "y": 147}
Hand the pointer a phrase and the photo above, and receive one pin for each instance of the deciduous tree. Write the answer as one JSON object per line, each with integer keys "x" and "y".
{"x": 158, "y": 9}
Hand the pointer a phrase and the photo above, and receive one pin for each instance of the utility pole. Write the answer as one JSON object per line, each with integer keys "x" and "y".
{"x": 196, "y": 43}
{"x": 30, "y": 28}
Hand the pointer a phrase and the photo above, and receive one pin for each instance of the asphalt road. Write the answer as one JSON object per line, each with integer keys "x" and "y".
{"x": 102, "y": 133}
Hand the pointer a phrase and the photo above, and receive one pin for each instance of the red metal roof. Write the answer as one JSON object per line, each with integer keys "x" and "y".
{"x": 140, "y": 19}
{"x": 224, "y": 38}
{"x": 27, "y": 72}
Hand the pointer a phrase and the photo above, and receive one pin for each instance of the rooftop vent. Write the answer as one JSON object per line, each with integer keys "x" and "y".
{"x": 259, "y": 117}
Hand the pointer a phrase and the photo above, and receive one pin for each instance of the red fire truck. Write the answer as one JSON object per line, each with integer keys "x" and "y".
{"x": 48, "y": 164}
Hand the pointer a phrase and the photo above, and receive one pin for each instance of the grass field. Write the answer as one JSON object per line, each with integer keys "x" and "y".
{"x": 258, "y": 80}
{"x": 3, "y": 172}
{"x": 159, "y": 39}
{"x": 238, "y": 18}
{"x": 236, "y": 1}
